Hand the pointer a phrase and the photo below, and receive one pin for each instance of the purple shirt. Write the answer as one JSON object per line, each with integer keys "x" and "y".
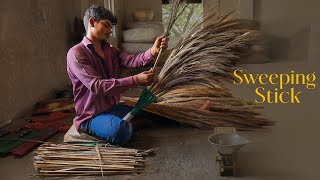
{"x": 96, "y": 86}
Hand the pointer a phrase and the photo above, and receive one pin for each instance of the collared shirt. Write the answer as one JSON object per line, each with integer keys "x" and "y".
{"x": 96, "y": 82}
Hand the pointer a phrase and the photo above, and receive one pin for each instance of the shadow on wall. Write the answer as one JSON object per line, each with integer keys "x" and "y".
{"x": 293, "y": 48}
{"x": 78, "y": 32}
{"x": 270, "y": 48}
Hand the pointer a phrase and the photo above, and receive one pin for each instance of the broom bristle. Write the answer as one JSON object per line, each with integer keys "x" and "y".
{"x": 196, "y": 72}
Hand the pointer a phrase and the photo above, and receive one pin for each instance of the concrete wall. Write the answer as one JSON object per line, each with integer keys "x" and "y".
{"x": 34, "y": 38}
{"x": 293, "y": 20}
{"x": 314, "y": 46}
{"x": 286, "y": 17}
{"x": 281, "y": 18}
{"x": 211, "y": 5}
{"x": 120, "y": 13}
{"x": 292, "y": 25}
{"x": 242, "y": 8}
{"x": 227, "y": 6}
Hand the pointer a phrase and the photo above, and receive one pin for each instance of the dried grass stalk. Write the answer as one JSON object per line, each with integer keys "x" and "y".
{"x": 177, "y": 7}
{"x": 76, "y": 160}
{"x": 196, "y": 71}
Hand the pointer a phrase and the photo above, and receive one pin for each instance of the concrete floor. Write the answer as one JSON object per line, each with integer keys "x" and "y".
{"x": 287, "y": 151}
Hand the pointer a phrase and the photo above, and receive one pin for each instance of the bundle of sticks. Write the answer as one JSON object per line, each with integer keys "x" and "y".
{"x": 61, "y": 160}
{"x": 196, "y": 71}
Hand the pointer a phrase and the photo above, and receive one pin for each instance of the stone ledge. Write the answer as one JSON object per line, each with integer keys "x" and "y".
{"x": 141, "y": 35}
{"x": 152, "y": 25}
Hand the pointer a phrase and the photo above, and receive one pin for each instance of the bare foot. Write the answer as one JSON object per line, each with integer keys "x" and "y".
{"x": 205, "y": 106}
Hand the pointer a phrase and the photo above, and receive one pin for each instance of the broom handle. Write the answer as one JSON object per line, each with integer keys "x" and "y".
{"x": 155, "y": 64}
{"x": 128, "y": 117}
{"x": 158, "y": 57}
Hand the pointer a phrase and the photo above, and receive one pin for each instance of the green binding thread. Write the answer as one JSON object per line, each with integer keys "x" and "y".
{"x": 145, "y": 99}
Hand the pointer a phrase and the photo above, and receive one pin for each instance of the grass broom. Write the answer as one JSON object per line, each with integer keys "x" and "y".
{"x": 147, "y": 96}
{"x": 196, "y": 71}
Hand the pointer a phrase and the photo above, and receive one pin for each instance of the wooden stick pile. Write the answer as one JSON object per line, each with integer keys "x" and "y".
{"x": 60, "y": 160}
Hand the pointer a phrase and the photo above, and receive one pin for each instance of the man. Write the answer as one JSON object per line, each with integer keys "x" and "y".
{"x": 93, "y": 67}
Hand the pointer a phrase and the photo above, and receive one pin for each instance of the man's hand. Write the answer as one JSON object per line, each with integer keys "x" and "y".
{"x": 161, "y": 42}
{"x": 145, "y": 78}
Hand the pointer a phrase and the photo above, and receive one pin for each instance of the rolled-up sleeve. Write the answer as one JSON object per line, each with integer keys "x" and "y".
{"x": 135, "y": 60}
{"x": 80, "y": 67}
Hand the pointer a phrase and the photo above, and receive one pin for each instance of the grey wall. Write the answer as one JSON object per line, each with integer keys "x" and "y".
{"x": 281, "y": 18}
{"x": 211, "y": 4}
{"x": 294, "y": 20}
{"x": 286, "y": 17}
{"x": 120, "y": 13}
{"x": 34, "y": 41}
{"x": 292, "y": 25}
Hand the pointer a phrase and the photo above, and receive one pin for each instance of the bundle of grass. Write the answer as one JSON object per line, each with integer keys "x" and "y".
{"x": 196, "y": 71}
{"x": 147, "y": 97}
{"x": 61, "y": 160}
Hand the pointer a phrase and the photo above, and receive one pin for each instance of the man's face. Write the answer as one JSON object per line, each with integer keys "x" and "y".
{"x": 102, "y": 29}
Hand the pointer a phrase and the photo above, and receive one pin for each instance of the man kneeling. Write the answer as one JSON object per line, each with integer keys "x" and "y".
{"x": 93, "y": 67}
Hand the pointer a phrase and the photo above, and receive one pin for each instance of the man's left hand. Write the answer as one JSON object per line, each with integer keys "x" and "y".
{"x": 161, "y": 42}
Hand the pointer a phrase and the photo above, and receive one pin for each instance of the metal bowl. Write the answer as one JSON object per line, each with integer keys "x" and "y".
{"x": 227, "y": 143}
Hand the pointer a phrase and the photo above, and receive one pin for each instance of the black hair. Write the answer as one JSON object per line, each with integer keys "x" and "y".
{"x": 98, "y": 13}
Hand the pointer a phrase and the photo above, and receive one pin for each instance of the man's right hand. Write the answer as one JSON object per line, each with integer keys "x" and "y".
{"x": 145, "y": 78}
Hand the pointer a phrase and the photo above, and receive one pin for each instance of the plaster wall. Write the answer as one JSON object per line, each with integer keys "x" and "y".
{"x": 34, "y": 36}
{"x": 293, "y": 20}
{"x": 286, "y": 17}
{"x": 292, "y": 25}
